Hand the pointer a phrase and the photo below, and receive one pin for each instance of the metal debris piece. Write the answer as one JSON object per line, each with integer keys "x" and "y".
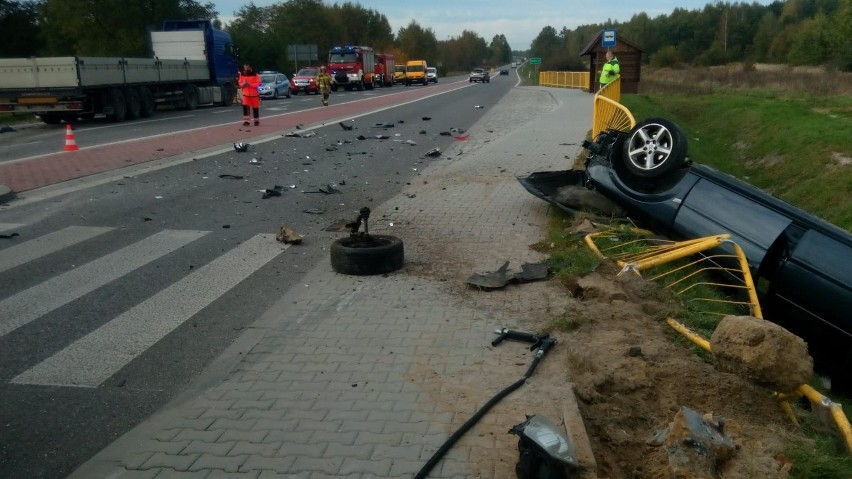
{"x": 426, "y": 118}
{"x": 231, "y": 177}
{"x": 287, "y": 235}
{"x": 384, "y": 125}
{"x": 434, "y": 152}
{"x": 314, "y": 211}
{"x": 479, "y": 106}
{"x": 361, "y": 137}
{"x": 345, "y": 126}
{"x": 381, "y": 137}
{"x": 8, "y": 236}
{"x": 241, "y": 147}
{"x": 298, "y": 134}
{"x": 492, "y": 280}
{"x": 501, "y": 277}
{"x": 410, "y": 142}
{"x": 329, "y": 190}
{"x": 275, "y": 191}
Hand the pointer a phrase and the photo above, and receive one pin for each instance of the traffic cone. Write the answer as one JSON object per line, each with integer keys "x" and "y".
{"x": 70, "y": 142}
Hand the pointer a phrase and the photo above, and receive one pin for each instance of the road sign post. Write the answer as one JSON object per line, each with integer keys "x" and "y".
{"x": 608, "y": 38}
{"x": 535, "y": 61}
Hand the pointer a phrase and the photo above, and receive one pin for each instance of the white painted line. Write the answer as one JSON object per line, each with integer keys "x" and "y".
{"x": 95, "y": 357}
{"x": 47, "y": 244}
{"x": 10, "y": 226}
{"x": 26, "y": 306}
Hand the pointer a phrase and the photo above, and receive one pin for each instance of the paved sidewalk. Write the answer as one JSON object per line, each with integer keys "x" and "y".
{"x": 365, "y": 377}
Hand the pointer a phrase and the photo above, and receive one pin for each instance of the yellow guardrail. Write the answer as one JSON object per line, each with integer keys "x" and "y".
{"x": 637, "y": 259}
{"x": 608, "y": 113}
{"x": 578, "y": 80}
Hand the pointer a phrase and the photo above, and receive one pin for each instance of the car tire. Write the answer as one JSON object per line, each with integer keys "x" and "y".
{"x": 367, "y": 254}
{"x": 654, "y": 148}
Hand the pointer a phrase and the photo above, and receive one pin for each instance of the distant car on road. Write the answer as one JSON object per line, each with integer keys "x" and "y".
{"x": 304, "y": 81}
{"x": 479, "y": 75}
{"x": 399, "y": 74}
{"x": 432, "y": 74}
{"x": 274, "y": 85}
{"x": 801, "y": 265}
{"x": 504, "y": 72}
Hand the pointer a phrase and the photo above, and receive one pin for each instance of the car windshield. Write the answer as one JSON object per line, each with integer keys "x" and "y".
{"x": 431, "y": 70}
{"x": 400, "y": 68}
{"x": 307, "y": 72}
{"x": 267, "y": 79}
{"x": 414, "y": 68}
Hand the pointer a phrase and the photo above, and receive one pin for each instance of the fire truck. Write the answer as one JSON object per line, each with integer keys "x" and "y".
{"x": 385, "y": 68}
{"x": 352, "y": 67}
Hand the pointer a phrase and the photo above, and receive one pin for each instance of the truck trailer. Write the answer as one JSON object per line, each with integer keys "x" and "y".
{"x": 192, "y": 64}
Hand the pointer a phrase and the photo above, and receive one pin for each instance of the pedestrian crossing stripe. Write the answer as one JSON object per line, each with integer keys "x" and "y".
{"x": 29, "y": 305}
{"x": 9, "y": 226}
{"x": 91, "y": 360}
{"x": 44, "y": 245}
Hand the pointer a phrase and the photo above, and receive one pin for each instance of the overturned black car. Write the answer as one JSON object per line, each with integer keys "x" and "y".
{"x": 801, "y": 265}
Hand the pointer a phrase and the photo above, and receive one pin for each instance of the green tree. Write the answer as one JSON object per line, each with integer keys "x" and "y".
{"x": 500, "y": 51}
{"x": 22, "y": 19}
{"x": 417, "y": 43}
{"x": 250, "y": 32}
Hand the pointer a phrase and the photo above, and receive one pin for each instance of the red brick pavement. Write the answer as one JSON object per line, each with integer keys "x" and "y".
{"x": 66, "y": 165}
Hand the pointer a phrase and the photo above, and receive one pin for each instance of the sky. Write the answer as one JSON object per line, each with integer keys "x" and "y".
{"x": 518, "y": 20}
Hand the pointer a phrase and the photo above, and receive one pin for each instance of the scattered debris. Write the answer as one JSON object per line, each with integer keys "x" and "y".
{"x": 6, "y": 129}
{"x": 297, "y": 134}
{"x": 361, "y": 137}
{"x": 434, "y": 152}
{"x": 501, "y": 277}
{"x": 426, "y": 118}
{"x": 231, "y": 177}
{"x": 275, "y": 191}
{"x": 422, "y": 132}
{"x": 329, "y": 190}
{"x": 314, "y": 211}
{"x": 461, "y": 137}
{"x": 8, "y": 236}
{"x": 446, "y": 133}
{"x": 299, "y": 126}
{"x": 241, "y": 147}
{"x": 479, "y": 106}
{"x": 696, "y": 444}
{"x": 410, "y": 142}
{"x": 345, "y": 126}
{"x": 381, "y": 137}
{"x": 287, "y": 235}
{"x": 226, "y": 226}
{"x": 383, "y": 125}
{"x": 254, "y": 161}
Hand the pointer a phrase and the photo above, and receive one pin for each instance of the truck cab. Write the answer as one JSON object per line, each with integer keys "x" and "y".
{"x": 351, "y": 67}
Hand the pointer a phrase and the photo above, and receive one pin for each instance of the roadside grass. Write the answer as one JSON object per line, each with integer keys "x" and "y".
{"x": 785, "y": 131}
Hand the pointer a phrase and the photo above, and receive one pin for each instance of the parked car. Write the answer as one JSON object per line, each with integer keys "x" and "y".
{"x": 432, "y": 74}
{"x": 479, "y": 75}
{"x": 504, "y": 71}
{"x": 274, "y": 85}
{"x": 801, "y": 264}
{"x": 304, "y": 81}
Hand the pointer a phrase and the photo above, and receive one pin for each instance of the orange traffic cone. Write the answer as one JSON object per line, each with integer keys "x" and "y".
{"x": 70, "y": 142}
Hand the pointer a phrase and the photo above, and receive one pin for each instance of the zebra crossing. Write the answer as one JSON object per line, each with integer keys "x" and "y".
{"x": 90, "y": 360}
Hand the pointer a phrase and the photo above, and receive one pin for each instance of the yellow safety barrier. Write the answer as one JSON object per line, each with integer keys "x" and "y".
{"x": 579, "y": 80}
{"x": 652, "y": 255}
{"x": 608, "y": 113}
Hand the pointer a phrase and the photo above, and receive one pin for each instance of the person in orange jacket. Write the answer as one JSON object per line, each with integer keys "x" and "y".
{"x": 249, "y": 81}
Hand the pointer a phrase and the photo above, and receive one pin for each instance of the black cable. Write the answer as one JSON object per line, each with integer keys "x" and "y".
{"x": 481, "y": 412}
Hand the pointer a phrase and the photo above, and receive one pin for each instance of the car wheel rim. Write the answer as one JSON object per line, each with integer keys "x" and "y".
{"x": 650, "y": 146}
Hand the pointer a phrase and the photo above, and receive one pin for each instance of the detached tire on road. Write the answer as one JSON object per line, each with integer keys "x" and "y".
{"x": 367, "y": 255}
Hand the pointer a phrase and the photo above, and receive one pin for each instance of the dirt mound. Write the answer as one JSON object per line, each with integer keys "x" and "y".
{"x": 633, "y": 374}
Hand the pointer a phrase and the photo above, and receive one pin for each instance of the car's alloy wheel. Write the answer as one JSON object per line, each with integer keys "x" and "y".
{"x": 654, "y": 148}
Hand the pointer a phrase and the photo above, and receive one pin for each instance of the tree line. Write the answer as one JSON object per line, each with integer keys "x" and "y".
{"x": 261, "y": 34}
{"x": 795, "y": 32}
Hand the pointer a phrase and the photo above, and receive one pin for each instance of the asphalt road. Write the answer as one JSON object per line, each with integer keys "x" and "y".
{"x": 114, "y": 296}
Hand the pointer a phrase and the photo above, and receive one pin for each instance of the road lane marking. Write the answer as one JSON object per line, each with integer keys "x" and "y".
{"x": 10, "y": 226}
{"x": 95, "y": 357}
{"x": 47, "y": 244}
{"x": 31, "y": 304}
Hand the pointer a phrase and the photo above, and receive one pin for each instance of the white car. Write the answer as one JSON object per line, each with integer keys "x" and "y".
{"x": 432, "y": 74}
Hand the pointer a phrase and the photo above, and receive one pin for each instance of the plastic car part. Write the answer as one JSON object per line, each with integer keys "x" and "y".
{"x": 544, "y": 450}
{"x": 654, "y": 147}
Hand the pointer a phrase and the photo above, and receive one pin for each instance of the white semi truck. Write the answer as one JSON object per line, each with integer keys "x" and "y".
{"x": 192, "y": 64}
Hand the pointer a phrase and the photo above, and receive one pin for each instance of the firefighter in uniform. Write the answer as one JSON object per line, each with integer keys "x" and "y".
{"x": 610, "y": 70}
{"x": 249, "y": 81}
{"x": 324, "y": 84}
